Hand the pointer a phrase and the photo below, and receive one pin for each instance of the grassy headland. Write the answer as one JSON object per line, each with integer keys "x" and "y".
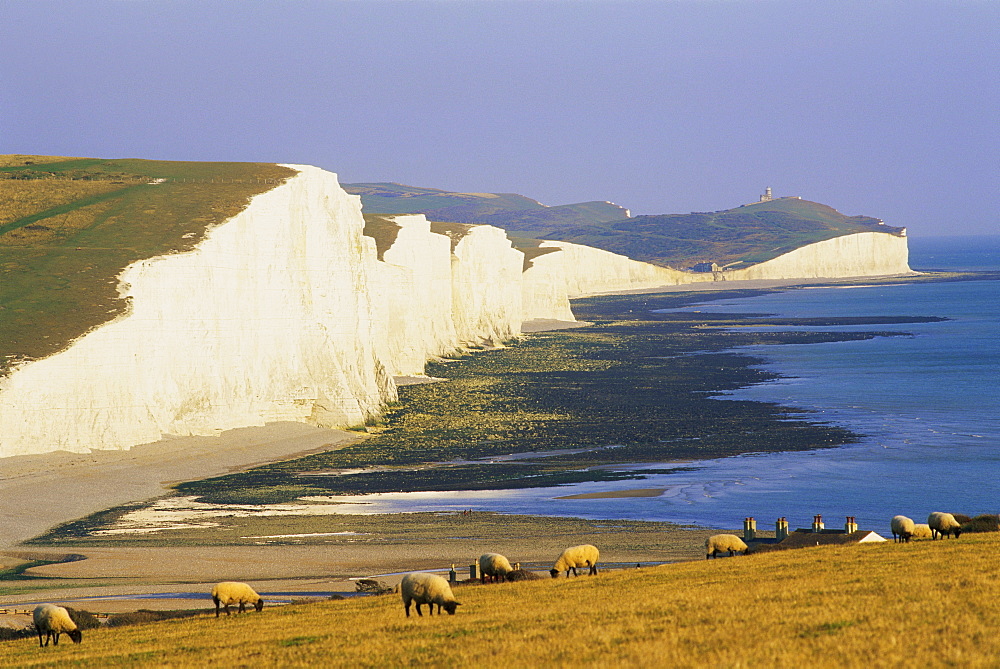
{"x": 878, "y": 605}
{"x": 69, "y": 226}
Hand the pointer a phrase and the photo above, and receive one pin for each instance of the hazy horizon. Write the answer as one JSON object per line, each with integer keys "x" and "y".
{"x": 881, "y": 109}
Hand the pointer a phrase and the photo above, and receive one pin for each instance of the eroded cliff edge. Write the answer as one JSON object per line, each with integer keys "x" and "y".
{"x": 287, "y": 312}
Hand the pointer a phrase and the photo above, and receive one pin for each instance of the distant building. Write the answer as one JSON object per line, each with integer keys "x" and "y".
{"x": 818, "y": 535}
{"x": 705, "y": 267}
{"x": 768, "y": 196}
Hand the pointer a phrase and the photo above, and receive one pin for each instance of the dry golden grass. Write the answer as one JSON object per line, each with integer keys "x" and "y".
{"x": 919, "y": 604}
{"x": 20, "y": 198}
{"x": 19, "y": 159}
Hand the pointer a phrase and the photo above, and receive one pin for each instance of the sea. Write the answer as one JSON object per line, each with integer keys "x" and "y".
{"x": 926, "y": 403}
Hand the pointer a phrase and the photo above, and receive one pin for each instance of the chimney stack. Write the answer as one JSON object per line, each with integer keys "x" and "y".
{"x": 818, "y": 523}
{"x": 749, "y": 529}
{"x": 781, "y": 529}
{"x": 850, "y": 526}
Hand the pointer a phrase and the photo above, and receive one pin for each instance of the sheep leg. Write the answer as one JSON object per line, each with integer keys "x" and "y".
{"x": 406, "y": 605}
{"x": 243, "y": 607}
{"x": 55, "y": 638}
{"x": 418, "y": 610}
{"x": 40, "y": 639}
{"x": 593, "y": 570}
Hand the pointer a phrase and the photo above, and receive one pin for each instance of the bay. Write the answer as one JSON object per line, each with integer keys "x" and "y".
{"x": 928, "y": 406}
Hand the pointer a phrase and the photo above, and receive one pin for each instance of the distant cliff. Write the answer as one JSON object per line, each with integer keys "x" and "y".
{"x": 299, "y": 309}
{"x": 734, "y": 238}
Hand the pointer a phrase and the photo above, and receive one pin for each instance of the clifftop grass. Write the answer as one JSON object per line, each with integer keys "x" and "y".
{"x": 69, "y": 226}
{"x": 929, "y": 604}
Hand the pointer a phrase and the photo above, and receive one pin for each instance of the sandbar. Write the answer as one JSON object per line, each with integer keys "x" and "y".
{"x": 616, "y": 494}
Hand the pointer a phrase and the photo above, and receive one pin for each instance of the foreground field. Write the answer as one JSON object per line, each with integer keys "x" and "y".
{"x": 920, "y": 604}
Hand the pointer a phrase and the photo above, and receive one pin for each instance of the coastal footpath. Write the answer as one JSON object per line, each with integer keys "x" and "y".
{"x": 287, "y": 312}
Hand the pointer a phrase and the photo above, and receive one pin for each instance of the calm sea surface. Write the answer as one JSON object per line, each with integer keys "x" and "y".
{"x": 928, "y": 405}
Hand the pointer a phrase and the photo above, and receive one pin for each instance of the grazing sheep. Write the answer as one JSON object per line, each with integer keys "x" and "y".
{"x": 427, "y": 589}
{"x": 584, "y": 555}
{"x": 943, "y": 524}
{"x": 902, "y": 528}
{"x": 230, "y": 592}
{"x": 921, "y": 531}
{"x": 720, "y": 543}
{"x": 52, "y": 620}
{"x": 493, "y": 567}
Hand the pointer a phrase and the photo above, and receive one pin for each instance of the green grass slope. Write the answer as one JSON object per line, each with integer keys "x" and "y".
{"x": 69, "y": 226}
{"x": 504, "y": 210}
{"x": 736, "y": 237}
{"x": 922, "y": 604}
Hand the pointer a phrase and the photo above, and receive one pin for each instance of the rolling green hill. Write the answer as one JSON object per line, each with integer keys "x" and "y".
{"x": 504, "y": 210}
{"x": 736, "y": 237}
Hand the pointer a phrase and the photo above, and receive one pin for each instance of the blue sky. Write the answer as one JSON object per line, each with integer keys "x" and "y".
{"x": 888, "y": 109}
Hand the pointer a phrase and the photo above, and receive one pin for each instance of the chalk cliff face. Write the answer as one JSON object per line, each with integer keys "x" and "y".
{"x": 486, "y": 287}
{"x": 590, "y": 271}
{"x": 414, "y": 298}
{"x": 544, "y": 288}
{"x": 285, "y": 313}
{"x": 270, "y": 318}
{"x": 860, "y": 254}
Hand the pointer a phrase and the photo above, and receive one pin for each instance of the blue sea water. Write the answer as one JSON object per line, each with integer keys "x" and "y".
{"x": 927, "y": 403}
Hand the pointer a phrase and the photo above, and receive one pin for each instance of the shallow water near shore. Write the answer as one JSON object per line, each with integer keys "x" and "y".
{"x": 928, "y": 406}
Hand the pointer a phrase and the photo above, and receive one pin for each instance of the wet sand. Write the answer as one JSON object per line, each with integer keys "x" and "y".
{"x": 113, "y": 579}
{"x": 38, "y": 492}
{"x": 617, "y": 494}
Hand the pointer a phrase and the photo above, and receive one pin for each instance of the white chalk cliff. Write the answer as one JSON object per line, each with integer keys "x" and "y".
{"x": 860, "y": 254}
{"x": 285, "y": 313}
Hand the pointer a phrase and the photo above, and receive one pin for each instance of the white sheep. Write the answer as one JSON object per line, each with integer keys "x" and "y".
{"x": 944, "y": 524}
{"x": 231, "y": 592}
{"x": 430, "y": 589}
{"x": 584, "y": 555}
{"x": 720, "y": 543}
{"x": 922, "y": 531}
{"x": 494, "y": 567}
{"x": 902, "y": 528}
{"x": 52, "y": 620}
